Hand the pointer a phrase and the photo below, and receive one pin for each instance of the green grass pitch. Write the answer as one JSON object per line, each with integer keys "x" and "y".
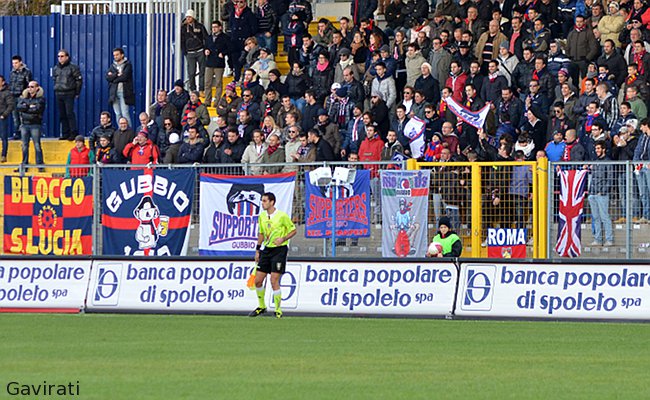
{"x": 231, "y": 357}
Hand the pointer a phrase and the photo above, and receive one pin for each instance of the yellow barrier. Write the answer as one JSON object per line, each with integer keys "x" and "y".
{"x": 491, "y": 201}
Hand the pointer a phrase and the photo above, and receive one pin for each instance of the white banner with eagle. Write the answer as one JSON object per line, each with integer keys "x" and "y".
{"x": 229, "y": 207}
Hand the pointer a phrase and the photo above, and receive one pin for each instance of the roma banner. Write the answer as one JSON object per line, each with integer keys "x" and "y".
{"x": 147, "y": 211}
{"x": 48, "y": 216}
{"x": 352, "y": 208}
{"x": 506, "y": 242}
{"x": 404, "y": 203}
{"x": 230, "y": 205}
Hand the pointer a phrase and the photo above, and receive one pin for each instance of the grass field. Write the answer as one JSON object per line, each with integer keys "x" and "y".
{"x": 228, "y": 357}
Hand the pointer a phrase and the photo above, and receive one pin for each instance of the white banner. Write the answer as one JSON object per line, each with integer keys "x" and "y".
{"x": 44, "y": 284}
{"x": 348, "y": 288}
{"x": 554, "y": 291}
{"x": 229, "y": 207}
{"x": 414, "y": 131}
{"x": 474, "y": 118}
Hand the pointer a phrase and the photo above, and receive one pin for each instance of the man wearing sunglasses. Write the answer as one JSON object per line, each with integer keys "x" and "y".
{"x": 67, "y": 87}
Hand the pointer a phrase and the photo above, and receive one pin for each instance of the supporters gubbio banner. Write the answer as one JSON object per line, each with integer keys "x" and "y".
{"x": 404, "y": 203}
{"x": 352, "y": 208}
{"x": 146, "y": 211}
{"x": 48, "y": 216}
{"x": 230, "y": 205}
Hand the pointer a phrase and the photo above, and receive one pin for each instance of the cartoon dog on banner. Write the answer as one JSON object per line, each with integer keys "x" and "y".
{"x": 152, "y": 224}
{"x": 405, "y": 229}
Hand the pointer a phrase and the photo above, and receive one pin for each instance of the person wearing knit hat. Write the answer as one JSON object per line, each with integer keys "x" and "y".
{"x": 193, "y": 39}
{"x": 452, "y": 245}
{"x": 429, "y": 86}
{"x": 178, "y": 97}
{"x": 342, "y": 92}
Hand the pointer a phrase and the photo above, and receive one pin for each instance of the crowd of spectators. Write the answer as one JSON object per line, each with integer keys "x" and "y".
{"x": 562, "y": 78}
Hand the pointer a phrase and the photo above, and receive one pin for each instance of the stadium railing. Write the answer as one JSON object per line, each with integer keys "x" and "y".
{"x": 611, "y": 196}
{"x": 300, "y": 246}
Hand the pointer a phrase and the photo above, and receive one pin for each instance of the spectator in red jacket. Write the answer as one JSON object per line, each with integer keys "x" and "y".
{"x": 80, "y": 154}
{"x": 370, "y": 150}
{"x": 141, "y": 150}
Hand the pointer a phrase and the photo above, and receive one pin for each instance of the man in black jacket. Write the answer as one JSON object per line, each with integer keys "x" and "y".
{"x": 31, "y": 106}
{"x": 120, "y": 89}
{"x": 18, "y": 81}
{"x": 267, "y": 26}
{"x": 191, "y": 151}
{"x": 310, "y": 111}
{"x": 324, "y": 150}
{"x": 356, "y": 92}
{"x": 360, "y": 9}
{"x": 233, "y": 149}
{"x": 67, "y": 87}
{"x": 193, "y": 38}
{"x": 105, "y": 128}
{"x": 217, "y": 47}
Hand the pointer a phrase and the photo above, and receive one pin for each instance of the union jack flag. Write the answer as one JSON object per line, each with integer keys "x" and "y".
{"x": 572, "y": 199}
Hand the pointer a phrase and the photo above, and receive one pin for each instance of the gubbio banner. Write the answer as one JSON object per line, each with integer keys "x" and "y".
{"x": 48, "y": 216}
{"x": 230, "y": 205}
{"x": 352, "y": 208}
{"x": 404, "y": 202}
{"x": 147, "y": 211}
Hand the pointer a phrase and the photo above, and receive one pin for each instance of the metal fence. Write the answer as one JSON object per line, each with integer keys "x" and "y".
{"x": 481, "y": 195}
{"x": 300, "y": 245}
{"x": 615, "y": 218}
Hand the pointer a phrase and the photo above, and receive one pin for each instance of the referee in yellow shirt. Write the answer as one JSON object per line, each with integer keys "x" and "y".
{"x": 276, "y": 228}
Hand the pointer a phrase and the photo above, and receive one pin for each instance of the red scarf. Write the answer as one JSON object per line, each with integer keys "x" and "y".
{"x": 579, "y": 29}
{"x": 638, "y": 59}
{"x": 631, "y": 79}
{"x": 271, "y": 149}
{"x": 190, "y": 107}
{"x": 239, "y": 11}
{"x": 443, "y": 108}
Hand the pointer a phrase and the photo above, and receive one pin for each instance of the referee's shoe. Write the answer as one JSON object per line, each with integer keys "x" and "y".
{"x": 257, "y": 311}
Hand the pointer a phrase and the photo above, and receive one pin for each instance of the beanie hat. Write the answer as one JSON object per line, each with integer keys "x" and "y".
{"x": 444, "y": 221}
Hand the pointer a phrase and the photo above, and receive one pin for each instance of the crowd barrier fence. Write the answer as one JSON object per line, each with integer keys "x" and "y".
{"x": 613, "y": 223}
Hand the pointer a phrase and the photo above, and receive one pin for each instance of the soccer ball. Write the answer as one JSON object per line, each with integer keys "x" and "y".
{"x": 434, "y": 249}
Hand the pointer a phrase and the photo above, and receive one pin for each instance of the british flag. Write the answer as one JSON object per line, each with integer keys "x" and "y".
{"x": 572, "y": 198}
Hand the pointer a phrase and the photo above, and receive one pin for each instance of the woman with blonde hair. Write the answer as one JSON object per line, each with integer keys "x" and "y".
{"x": 270, "y": 127}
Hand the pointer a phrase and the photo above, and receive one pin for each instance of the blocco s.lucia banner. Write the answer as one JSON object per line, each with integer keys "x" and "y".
{"x": 147, "y": 212}
{"x": 404, "y": 201}
{"x": 342, "y": 288}
{"x": 230, "y": 206}
{"x": 554, "y": 291}
{"x": 48, "y": 285}
{"x": 48, "y": 216}
{"x": 352, "y": 208}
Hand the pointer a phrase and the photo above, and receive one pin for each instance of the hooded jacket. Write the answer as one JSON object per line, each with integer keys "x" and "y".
{"x": 31, "y": 108}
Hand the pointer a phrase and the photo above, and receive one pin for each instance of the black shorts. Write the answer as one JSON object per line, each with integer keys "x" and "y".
{"x": 273, "y": 259}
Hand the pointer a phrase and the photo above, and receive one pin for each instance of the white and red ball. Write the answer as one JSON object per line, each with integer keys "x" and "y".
{"x": 434, "y": 249}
